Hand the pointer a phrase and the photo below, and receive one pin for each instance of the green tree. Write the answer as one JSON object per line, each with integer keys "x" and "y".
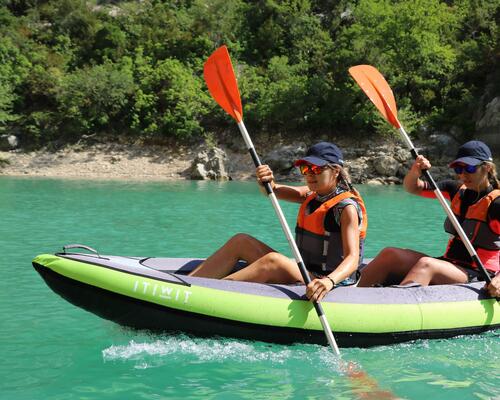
{"x": 476, "y": 77}
{"x": 217, "y": 22}
{"x": 14, "y": 68}
{"x": 286, "y": 28}
{"x": 283, "y": 98}
{"x": 412, "y": 43}
{"x": 109, "y": 43}
{"x": 170, "y": 100}
{"x": 96, "y": 99}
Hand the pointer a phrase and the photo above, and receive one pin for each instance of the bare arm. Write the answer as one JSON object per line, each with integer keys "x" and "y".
{"x": 412, "y": 182}
{"x": 349, "y": 230}
{"x": 295, "y": 194}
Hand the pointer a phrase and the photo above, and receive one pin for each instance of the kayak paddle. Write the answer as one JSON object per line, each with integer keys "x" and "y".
{"x": 371, "y": 81}
{"x": 222, "y": 85}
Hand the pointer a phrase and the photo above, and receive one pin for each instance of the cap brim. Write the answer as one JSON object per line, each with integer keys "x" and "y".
{"x": 311, "y": 160}
{"x": 465, "y": 160}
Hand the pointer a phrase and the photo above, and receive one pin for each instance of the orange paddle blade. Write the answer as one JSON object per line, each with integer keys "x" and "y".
{"x": 221, "y": 81}
{"x": 371, "y": 81}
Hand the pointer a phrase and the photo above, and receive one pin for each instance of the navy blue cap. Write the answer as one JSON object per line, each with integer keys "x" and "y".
{"x": 321, "y": 154}
{"x": 472, "y": 153}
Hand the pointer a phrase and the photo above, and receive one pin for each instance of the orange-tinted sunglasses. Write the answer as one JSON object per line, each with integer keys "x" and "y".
{"x": 307, "y": 169}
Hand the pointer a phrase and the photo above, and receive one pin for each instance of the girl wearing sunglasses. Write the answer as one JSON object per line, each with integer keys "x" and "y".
{"x": 475, "y": 200}
{"x": 330, "y": 231}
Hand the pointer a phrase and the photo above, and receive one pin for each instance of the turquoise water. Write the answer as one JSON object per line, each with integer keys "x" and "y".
{"x": 51, "y": 349}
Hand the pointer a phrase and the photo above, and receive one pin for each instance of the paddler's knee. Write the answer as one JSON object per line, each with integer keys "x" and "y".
{"x": 273, "y": 266}
{"x": 274, "y": 259}
{"x": 424, "y": 264}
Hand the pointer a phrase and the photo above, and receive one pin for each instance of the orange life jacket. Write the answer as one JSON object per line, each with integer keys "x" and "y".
{"x": 319, "y": 250}
{"x": 485, "y": 237}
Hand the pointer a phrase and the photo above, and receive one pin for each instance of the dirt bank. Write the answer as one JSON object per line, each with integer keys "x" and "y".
{"x": 110, "y": 161}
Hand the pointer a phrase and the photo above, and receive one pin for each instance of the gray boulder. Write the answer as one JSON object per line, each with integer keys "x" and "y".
{"x": 8, "y": 142}
{"x": 402, "y": 155}
{"x": 281, "y": 160}
{"x": 441, "y": 145}
{"x": 359, "y": 170}
{"x": 386, "y": 165}
{"x": 210, "y": 164}
{"x": 198, "y": 172}
{"x": 442, "y": 172}
{"x": 375, "y": 181}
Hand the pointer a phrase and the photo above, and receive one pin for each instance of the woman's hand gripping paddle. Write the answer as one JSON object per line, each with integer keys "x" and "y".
{"x": 221, "y": 82}
{"x": 371, "y": 81}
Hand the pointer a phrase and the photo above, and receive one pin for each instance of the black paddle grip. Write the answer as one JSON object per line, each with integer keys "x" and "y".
{"x": 478, "y": 262}
{"x": 304, "y": 273}
{"x": 256, "y": 161}
{"x": 255, "y": 157}
{"x": 426, "y": 173}
{"x": 307, "y": 280}
{"x": 430, "y": 179}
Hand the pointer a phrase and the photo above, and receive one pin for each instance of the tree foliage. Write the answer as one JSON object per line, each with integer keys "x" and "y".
{"x": 74, "y": 67}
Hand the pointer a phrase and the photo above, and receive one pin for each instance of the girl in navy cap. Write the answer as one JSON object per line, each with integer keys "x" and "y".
{"x": 475, "y": 201}
{"x": 330, "y": 231}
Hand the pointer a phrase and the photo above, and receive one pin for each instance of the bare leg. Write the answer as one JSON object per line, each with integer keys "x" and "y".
{"x": 431, "y": 271}
{"x": 271, "y": 268}
{"x": 239, "y": 247}
{"x": 390, "y": 264}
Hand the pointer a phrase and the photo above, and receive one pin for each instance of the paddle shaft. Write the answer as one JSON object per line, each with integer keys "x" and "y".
{"x": 447, "y": 209}
{"x": 289, "y": 237}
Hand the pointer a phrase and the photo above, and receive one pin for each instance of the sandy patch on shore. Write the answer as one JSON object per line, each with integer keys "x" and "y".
{"x": 101, "y": 161}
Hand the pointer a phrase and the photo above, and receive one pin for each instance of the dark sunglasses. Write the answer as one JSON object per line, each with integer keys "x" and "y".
{"x": 306, "y": 169}
{"x": 469, "y": 169}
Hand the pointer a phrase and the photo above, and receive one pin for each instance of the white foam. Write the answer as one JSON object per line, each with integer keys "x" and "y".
{"x": 218, "y": 351}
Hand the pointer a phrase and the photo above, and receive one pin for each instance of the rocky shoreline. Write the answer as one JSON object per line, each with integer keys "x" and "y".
{"x": 368, "y": 162}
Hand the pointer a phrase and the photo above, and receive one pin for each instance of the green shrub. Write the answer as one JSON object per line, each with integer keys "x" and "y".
{"x": 14, "y": 68}
{"x": 170, "y": 100}
{"x": 95, "y": 99}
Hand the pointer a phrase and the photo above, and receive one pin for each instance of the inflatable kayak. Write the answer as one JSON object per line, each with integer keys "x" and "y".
{"x": 156, "y": 294}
